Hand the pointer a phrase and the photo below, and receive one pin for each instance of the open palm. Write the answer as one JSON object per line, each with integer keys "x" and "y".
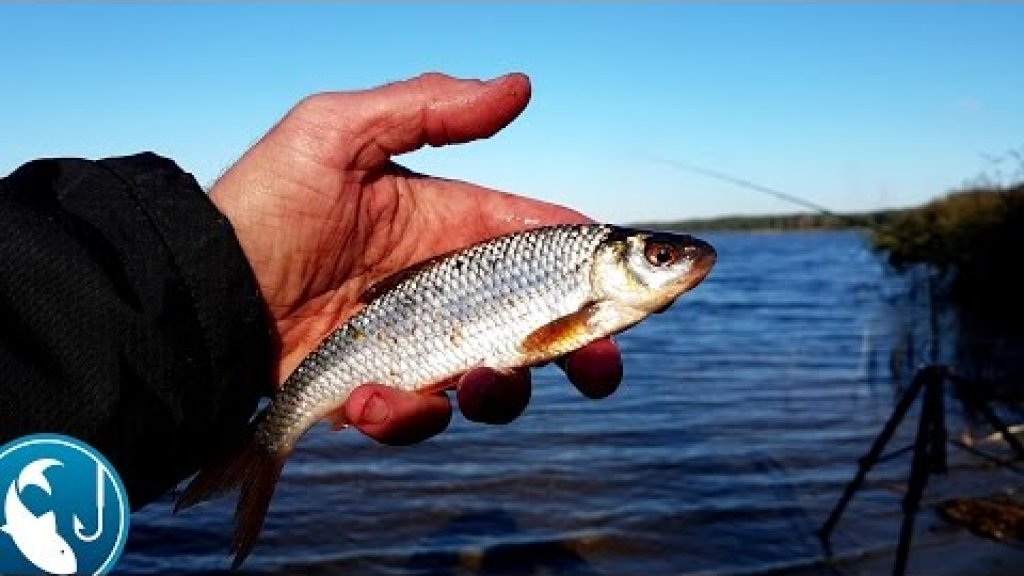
{"x": 322, "y": 213}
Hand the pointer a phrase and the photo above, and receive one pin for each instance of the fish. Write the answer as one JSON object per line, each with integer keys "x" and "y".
{"x": 36, "y": 537}
{"x": 514, "y": 301}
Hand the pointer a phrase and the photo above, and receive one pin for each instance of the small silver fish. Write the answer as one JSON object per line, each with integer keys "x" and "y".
{"x": 513, "y": 301}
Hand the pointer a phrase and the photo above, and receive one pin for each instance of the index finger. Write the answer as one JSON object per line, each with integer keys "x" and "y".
{"x": 433, "y": 109}
{"x": 595, "y": 369}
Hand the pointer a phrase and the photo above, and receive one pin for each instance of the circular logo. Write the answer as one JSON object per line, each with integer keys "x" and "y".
{"x": 63, "y": 508}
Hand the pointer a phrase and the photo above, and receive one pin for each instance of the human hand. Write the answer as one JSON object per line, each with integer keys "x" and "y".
{"x": 322, "y": 212}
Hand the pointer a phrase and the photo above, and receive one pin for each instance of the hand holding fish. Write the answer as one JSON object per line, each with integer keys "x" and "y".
{"x": 322, "y": 213}
{"x": 373, "y": 273}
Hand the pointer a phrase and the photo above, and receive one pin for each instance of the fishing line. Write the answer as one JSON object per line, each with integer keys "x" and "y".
{"x": 744, "y": 183}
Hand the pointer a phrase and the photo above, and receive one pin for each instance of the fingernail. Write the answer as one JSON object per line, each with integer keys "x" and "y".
{"x": 375, "y": 410}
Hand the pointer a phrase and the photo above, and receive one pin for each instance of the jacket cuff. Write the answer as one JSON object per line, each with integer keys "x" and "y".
{"x": 203, "y": 245}
{"x": 193, "y": 378}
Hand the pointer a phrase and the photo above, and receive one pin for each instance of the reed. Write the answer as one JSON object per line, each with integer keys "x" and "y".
{"x": 975, "y": 236}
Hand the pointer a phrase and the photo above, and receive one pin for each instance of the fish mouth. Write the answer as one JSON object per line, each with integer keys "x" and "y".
{"x": 703, "y": 256}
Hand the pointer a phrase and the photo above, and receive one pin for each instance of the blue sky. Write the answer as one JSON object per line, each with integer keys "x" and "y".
{"x": 852, "y": 106}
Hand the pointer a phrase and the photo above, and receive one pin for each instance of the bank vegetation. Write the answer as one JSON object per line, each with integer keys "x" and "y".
{"x": 975, "y": 236}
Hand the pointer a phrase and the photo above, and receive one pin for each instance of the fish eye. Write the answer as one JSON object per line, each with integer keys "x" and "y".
{"x": 660, "y": 254}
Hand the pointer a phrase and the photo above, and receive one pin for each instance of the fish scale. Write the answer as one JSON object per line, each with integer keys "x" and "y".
{"x": 510, "y": 302}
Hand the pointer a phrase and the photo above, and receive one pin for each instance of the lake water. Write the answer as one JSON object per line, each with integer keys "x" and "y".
{"x": 743, "y": 411}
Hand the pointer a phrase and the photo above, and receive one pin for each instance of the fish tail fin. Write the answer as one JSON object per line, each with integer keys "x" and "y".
{"x": 255, "y": 472}
{"x": 257, "y": 490}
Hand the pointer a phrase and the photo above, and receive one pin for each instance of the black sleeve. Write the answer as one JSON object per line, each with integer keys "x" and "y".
{"x": 129, "y": 317}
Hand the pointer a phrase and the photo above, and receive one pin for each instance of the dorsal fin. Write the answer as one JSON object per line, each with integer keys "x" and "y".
{"x": 394, "y": 279}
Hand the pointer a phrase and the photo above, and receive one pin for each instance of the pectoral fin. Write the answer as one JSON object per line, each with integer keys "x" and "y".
{"x": 561, "y": 336}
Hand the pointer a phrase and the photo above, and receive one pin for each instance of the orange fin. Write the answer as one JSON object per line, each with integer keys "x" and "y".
{"x": 337, "y": 419}
{"x": 252, "y": 469}
{"x": 441, "y": 386}
{"x": 561, "y": 336}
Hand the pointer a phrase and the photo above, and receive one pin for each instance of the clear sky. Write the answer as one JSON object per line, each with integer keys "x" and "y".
{"x": 852, "y": 106}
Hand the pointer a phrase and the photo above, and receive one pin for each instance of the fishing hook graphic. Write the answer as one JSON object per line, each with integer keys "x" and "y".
{"x": 79, "y": 527}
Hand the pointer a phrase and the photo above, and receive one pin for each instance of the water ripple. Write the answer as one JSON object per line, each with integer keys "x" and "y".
{"x": 744, "y": 409}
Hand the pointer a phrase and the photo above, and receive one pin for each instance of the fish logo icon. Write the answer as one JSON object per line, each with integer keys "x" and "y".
{"x": 50, "y": 483}
{"x": 36, "y": 536}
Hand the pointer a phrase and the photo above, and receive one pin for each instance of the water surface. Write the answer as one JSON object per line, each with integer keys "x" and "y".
{"x": 741, "y": 417}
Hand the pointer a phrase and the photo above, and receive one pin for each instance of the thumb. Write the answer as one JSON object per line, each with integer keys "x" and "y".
{"x": 392, "y": 416}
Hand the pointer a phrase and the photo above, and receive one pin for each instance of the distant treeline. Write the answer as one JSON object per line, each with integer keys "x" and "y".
{"x": 975, "y": 236}
{"x": 781, "y": 222}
